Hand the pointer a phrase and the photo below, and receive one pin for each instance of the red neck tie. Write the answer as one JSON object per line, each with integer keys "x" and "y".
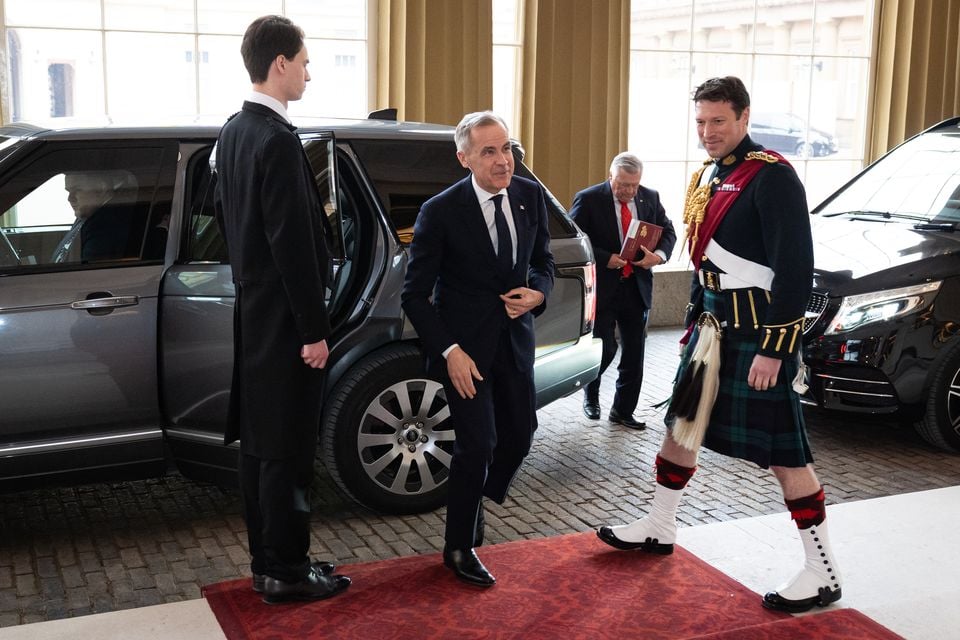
{"x": 625, "y": 218}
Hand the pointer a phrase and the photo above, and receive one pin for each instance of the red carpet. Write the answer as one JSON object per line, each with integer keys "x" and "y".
{"x": 569, "y": 586}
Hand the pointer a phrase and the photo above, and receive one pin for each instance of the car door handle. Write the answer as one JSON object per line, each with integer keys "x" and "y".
{"x": 105, "y": 303}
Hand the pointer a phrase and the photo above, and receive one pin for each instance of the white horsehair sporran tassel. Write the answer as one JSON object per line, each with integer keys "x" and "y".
{"x": 688, "y": 430}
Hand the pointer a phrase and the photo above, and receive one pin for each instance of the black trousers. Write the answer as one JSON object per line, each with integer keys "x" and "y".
{"x": 276, "y": 507}
{"x": 494, "y": 434}
{"x": 627, "y": 312}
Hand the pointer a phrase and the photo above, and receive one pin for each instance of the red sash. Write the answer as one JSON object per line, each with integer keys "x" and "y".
{"x": 722, "y": 199}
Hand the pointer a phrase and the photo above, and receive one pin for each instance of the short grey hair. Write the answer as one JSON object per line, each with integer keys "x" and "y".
{"x": 627, "y": 162}
{"x": 473, "y": 120}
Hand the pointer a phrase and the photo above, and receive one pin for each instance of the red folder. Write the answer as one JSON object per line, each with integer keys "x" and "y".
{"x": 639, "y": 234}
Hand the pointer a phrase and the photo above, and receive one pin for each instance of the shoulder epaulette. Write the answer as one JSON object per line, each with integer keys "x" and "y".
{"x": 762, "y": 155}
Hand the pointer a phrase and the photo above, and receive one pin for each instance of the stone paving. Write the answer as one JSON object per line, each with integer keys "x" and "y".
{"x": 101, "y": 547}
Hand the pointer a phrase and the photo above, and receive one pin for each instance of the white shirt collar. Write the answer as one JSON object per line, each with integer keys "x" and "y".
{"x": 482, "y": 194}
{"x": 270, "y": 102}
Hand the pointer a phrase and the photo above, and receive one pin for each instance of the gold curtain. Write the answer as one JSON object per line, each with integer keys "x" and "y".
{"x": 574, "y": 98}
{"x": 917, "y": 78}
{"x": 435, "y": 58}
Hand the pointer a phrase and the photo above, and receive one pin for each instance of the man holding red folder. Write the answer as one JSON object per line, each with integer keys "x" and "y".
{"x": 624, "y": 289}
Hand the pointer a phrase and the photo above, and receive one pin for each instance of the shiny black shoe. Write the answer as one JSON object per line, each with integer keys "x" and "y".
{"x": 467, "y": 566}
{"x": 650, "y": 545}
{"x": 825, "y": 596}
{"x": 315, "y": 586}
{"x": 626, "y": 421}
{"x": 325, "y": 568}
{"x": 591, "y": 409}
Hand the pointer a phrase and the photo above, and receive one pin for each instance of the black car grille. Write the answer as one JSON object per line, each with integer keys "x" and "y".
{"x": 815, "y": 308}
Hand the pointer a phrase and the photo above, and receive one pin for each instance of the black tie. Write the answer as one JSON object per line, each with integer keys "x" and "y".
{"x": 504, "y": 246}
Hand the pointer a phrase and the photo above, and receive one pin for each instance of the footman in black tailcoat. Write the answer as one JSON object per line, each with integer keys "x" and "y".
{"x": 749, "y": 238}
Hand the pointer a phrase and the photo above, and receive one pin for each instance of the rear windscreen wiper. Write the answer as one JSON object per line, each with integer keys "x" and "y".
{"x": 936, "y": 226}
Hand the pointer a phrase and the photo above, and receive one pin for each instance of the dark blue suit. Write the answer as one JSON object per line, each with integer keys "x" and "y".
{"x": 453, "y": 260}
{"x": 623, "y": 302}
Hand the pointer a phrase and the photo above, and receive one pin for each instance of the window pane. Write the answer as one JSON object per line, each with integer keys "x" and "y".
{"x": 660, "y": 128}
{"x": 83, "y": 14}
{"x": 506, "y": 61}
{"x": 224, "y": 82}
{"x": 507, "y": 22}
{"x": 233, "y": 16}
{"x": 840, "y": 87}
{"x": 167, "y": 89}
{"x": 843, "y": 27}
{"x": 785, "y": 27}
{"x": 660, "y": 24}
{"x": 338, "y": 86}
{"x": 55, "y": 74}
{"x": 670, "y": 180}
{"x": 329, "y": 18}
{"x": 152, "y": 15}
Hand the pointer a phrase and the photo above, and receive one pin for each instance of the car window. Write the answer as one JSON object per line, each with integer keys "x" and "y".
{"x": 407, "y": 173}
{"x": 203, "y": 242}
{"x": 82, "y": 207}
{"x": 919, "y": 179}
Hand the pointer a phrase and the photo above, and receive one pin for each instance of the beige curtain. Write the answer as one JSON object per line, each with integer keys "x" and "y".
{"x": 574, "y": 113}
{"x": 435, "y": 58}
{"x": 917, "y": 78}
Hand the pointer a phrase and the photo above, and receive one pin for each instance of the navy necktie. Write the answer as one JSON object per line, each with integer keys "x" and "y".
{"x": 504, "y": 245}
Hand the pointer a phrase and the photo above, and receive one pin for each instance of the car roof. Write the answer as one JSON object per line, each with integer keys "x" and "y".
{"x": 209, "y": 126}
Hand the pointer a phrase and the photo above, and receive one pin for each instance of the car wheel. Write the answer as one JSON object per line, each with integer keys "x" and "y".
{"x": 804, "y": 150}
{"x": 940, "y": 424}
{"x": 387, "y": 438}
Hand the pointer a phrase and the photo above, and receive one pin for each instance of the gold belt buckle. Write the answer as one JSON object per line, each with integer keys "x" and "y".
{"x": 711, "y": 281}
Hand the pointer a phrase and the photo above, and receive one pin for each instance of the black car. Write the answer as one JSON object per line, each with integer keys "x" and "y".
{"x": 118, "y": 363}
{"x": 883, "y": 326}
{"x": 790, "y": 135}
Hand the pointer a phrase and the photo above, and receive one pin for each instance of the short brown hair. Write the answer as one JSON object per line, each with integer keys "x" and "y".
{"x": 266, "y": 38}
{"x": 727, "y": 89}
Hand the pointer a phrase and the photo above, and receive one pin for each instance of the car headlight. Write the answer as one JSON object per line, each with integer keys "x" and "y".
{"x": 856, "y": 311}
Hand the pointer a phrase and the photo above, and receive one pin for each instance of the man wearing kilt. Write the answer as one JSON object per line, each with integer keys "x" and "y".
{"x": 749, "y": 238}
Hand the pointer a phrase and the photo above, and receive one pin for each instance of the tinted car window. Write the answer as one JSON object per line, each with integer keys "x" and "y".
{"x": 83, "y": 206}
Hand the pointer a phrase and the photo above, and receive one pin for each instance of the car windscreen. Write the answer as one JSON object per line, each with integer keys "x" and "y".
{"x": 919, "y": 181}
{"x": 7, "y": 145}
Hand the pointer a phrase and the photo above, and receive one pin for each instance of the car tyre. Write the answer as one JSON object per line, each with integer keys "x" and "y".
{"x": 387, "y": 437}
{"x": 940, "y": 424}
{"x": 804, "y": 150}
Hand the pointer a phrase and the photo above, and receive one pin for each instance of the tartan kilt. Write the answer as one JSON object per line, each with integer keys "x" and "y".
{"x": 765, "y": 427}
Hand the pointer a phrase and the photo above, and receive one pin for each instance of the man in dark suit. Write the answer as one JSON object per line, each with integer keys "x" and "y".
{"x": 480, "y": 269}
{"x": 624, "y": 290}
{"x": 275, "y": 229}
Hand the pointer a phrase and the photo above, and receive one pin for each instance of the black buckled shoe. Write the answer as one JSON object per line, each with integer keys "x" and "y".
{"x": 626, "y": 421}
{"x": 314, "y": 586}
{"x": 467, "y": 566}
{"x": 825, "y": 596}
{"x": 325, "y": 568}
{"x": 591, "y": 409}
{"x": 650, "y": 545}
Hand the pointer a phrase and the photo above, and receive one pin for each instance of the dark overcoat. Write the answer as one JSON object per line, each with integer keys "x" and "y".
{"x": 267, "y": 199}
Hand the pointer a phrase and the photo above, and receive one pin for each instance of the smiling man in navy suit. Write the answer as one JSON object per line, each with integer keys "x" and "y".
{"x": 624, "y": 290}
{"x": 481, "y": 250}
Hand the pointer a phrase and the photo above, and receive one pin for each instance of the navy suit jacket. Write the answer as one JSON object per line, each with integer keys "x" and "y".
{"x": 452, "y": 288}
{"x": 593, "y": 211}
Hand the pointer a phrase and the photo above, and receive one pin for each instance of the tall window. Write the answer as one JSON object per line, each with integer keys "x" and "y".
{"x": 805, "y": 63}
{"x": 137, "y": 59}
{"x": 507, "y": 60}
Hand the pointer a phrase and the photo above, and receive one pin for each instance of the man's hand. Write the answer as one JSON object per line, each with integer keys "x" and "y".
{"x": 650, "y": 259}
{"x": 520, "y": 300}
{"x": 315, "y": 354}
{"x": 463, "y": 371}
{"x": 616, "y": 262}
{"x": 763, "y": 372}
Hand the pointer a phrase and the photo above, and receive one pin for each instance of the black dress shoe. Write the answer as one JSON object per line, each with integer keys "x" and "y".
{"x": 650, "y": 545}
{"x": 315, "y": 586}
{"x": 591, "y": 410}
{"x": 825, "y": 596}
{"x": 325, "y": 568}
{"x": 626, "y": 421}
{"x": 467, "y": 566}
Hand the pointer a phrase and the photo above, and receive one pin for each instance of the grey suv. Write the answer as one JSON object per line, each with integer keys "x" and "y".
{"x": 115, "y": 328}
